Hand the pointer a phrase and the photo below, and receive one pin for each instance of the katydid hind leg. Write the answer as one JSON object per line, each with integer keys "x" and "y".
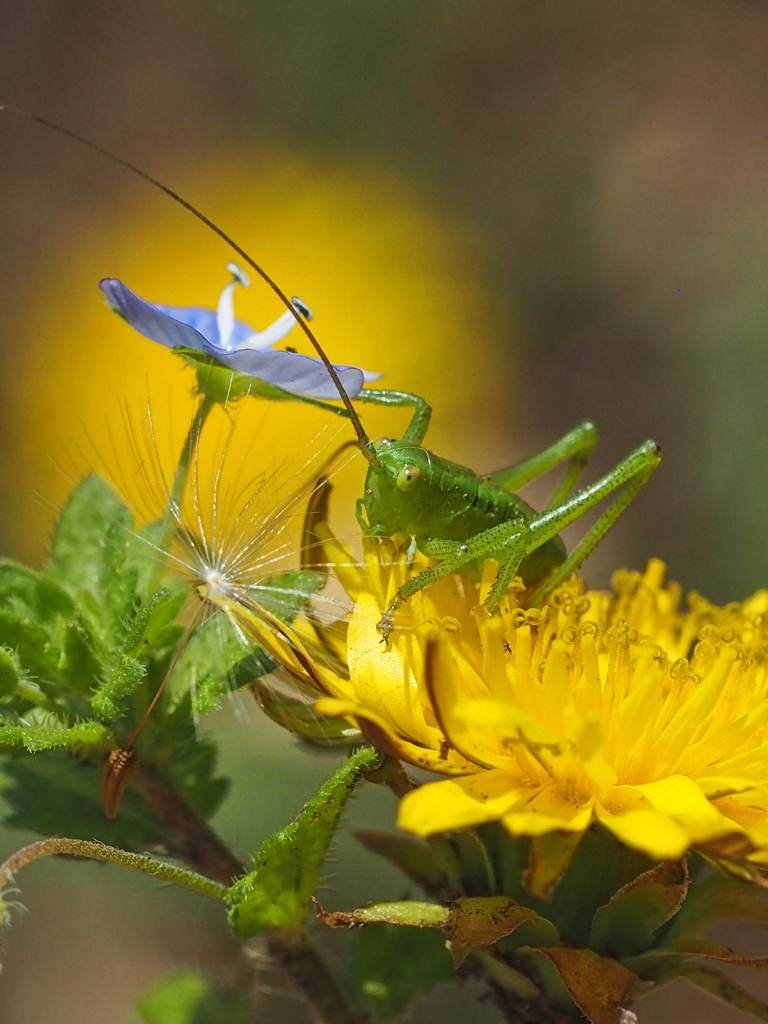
{"x": 576, "y": 445}
{"x": 627, "y": 478}
{"x": 453, "y": 555}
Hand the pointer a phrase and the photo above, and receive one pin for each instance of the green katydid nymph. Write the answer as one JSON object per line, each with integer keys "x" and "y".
{"x": 455, "y": 516}
{"x": 459, "y": 518}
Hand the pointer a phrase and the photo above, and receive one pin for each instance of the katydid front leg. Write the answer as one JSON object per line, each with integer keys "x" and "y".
{"x": 416, "y": 430}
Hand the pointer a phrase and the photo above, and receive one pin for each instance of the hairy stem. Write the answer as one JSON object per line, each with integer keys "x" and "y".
{"x": 200, "y": 848}
{"x": 197, "y": 843}
{"x": 98, "y": 851}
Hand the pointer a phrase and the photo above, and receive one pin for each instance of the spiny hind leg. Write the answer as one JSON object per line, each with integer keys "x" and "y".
{"x": 627, "y": 478}
{"x": 453, "y": 555}
{"x": 576, "y": 445}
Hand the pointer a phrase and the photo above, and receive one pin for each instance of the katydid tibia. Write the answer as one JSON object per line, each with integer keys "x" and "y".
{"x": 455, "y": 516}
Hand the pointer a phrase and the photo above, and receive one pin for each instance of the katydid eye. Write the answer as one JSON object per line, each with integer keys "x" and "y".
{"x": 408, "y": 477}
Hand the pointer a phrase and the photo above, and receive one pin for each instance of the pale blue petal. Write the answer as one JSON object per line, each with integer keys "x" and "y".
{"x": 204, "y": 321}
{"x": 291, "y": 371}
{"x": 248, "y": 351}
{"x": 152, "y": 321}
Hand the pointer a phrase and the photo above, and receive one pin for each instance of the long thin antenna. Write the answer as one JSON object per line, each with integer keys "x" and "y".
{"x": 365, "y": 442}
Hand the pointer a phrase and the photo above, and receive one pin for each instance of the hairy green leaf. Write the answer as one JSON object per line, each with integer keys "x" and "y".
{"x": 286, "y": 866}
{"x": 89, "y": 548}
{"x": 38, "y": 655}
{"x": 82, "y": 666}
{"x": 18, "y": 587}
{"x": 83, "y": 736}
{"x": 216, "y": 660}
{"x": 124, "y": 678}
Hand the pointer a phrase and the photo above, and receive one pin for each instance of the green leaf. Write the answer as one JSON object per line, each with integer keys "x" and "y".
{"x": 715, "y": 899}
{"x": 627, "y": 924}
{"x": 393, "y": 965}
{"x": 192, "y": 766}
{"x": 89, "y": 542}
{"x": 173, "y": 1000}
{"x": 83, "y": 736}
{"x": 37, "y": 653}
{"x": 82, "y": 665}
{"x": 287, "y": 865}
{"x": 53, "y": 794}
{"x": 285, "y": 595}
{"x": 9, "y": 672}
{"x": 154, "y": 625}
{"x": 124, "y": 678}
{"x": 18, "y": 587}
{"x": 216, "y": 660}
{"x": 171, "y": 744}
{"x": 190, "y": 998}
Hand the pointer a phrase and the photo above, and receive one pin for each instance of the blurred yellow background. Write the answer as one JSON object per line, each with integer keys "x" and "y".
{"x": 531, "y": 213}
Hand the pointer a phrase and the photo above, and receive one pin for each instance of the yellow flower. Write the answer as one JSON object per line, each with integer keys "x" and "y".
{"x": 617, "y": 708}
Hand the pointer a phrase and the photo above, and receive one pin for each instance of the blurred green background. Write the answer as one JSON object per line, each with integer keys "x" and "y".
{"x": 532, "y": 212}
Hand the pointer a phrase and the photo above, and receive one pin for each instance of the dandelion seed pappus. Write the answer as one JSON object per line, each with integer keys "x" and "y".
{"x": 233, "y": 549}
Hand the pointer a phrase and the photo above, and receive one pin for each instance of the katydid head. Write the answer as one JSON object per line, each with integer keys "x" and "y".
{"x": 397, "y": 488}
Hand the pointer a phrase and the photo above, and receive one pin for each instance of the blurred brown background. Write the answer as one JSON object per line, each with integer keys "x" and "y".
{"x": 599, "y": 170}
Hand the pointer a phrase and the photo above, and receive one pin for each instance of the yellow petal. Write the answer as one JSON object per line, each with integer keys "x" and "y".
{"x": 381, "y": 735}
{"x": 445, "y": 696}
{"x": 458, "y": 803}
{"x": 648, "y": 831}
{"x": 549, "y": 811}
{"x": 382, "y": 679}
{"x": 680, "y": 798}
{"x": 346, "y": 567}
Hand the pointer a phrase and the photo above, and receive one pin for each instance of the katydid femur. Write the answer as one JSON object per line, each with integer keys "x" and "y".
{"x": 456, "y": 517}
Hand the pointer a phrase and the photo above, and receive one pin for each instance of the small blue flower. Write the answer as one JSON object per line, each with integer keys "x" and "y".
{"x": 219, "y": 334}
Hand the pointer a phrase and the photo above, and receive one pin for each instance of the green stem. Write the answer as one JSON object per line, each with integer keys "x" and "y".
{"x": 98, "y": 851}
{"x": 180, "y": 477}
